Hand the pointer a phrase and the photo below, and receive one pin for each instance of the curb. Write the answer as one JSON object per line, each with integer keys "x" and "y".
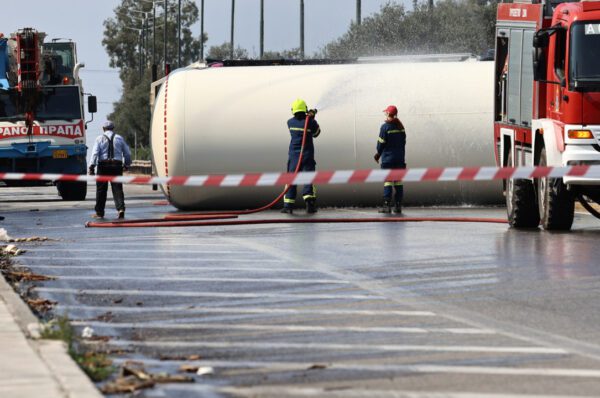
{"x": 53, "y": 353}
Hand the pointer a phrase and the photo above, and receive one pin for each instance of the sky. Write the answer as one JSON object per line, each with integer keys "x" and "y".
{"x": 81, "y": 21}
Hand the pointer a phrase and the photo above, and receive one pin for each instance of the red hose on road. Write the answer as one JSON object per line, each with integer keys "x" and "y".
{"x": 298, "y": 221}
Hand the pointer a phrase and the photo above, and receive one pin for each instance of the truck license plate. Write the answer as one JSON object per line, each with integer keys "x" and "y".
{"x": 60, "y": 154}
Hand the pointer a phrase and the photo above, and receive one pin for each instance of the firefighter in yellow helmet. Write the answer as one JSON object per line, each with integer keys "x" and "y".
{"x": 296, "y": 128}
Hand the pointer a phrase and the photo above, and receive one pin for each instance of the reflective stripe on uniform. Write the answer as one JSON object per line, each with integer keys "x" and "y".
{"x": 286, "y": 200}
{"x": 381, "y": 140}
{"x": 307, "y": 197}
{"x": 395, "y": 131}
{"x": 300, "y": 129}
{"x": 392, "y": 183}
{"x": 315, "y": 135}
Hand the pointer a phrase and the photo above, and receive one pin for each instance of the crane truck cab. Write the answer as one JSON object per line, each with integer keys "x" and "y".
{"x": 42, "y": 119}
{"x": 547, "y": 107}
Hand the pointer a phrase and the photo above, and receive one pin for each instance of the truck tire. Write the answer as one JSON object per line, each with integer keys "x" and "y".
{"x": 521, "y": 203}
{"x": 72, "y": 190}
{"x": 556, "y": 202}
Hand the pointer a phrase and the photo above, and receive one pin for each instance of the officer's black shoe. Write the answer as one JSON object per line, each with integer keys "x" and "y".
{"x": 311, "y": 206}
{"x": 287, "y": 210}
{"x": 398, "y": 208}
{"x": 121, "y": 214}
{"x": 386, "y": 208}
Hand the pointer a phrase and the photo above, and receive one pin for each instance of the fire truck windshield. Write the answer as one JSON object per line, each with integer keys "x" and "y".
{"x": 55, "y": 103}
{"x": 584, "y": 69}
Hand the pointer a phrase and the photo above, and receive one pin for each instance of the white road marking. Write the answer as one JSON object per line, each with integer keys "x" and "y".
{"x": 272, "y": 345}
{"x": 200, "y": 279}
{"x": 202, "y": 269}
{"x": 279, "y": 328}
{"x": 168, "y": 293}
{"x": 284, "y": 391}
{"x": 169, "y": 251}
{"x": 249, "y": 310}
{"x": 420, "y": 368}
{"x": 147, "y": 259}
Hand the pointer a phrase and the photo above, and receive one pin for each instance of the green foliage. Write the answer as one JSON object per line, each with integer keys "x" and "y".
{"x": 294, "y": 53}
{"x": 452, "y": 26}
{"x": 131, "y": 114}
{"x": 121, "y": 40}
{"x": 224, "y": 52}
{"x": 96, "y": 365}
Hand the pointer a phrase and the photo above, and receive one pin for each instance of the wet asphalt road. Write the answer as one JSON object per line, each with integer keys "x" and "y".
{"x": 348, "y": 310}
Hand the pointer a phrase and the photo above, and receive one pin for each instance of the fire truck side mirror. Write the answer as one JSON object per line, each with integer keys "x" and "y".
{"x": 92, "y": 104}
{"x": 539, "y": 64}
{"x": 541, "y": 40}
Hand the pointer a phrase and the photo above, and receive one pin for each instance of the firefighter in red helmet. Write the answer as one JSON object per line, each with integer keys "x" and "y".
{"x": 391, "y": 151}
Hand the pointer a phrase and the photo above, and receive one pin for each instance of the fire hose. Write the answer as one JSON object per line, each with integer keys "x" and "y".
{"x": 217, "y": 218}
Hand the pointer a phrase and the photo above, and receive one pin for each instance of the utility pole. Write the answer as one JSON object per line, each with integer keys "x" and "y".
{"x": 358, "y": 12}
{"x": 165, "y": 28}
{"x": 154, "y": 67}
{"x": 430, "y": 5}
{"x": 262, "y": 28}
{"x": 202, "y": 30}
{"x": 232, "y": 27}
{"x": 141, "y": 55}
{"x": 179, "y": 34}
{"x": 302, "y": 29}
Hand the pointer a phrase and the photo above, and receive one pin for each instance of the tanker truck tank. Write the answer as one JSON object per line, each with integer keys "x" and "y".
{"x": 233, "y": 120}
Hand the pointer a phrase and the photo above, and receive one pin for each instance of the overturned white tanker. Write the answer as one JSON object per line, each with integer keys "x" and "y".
{"x": 232, "y": 119}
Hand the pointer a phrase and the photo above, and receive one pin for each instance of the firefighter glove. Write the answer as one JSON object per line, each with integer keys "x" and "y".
{"x": 376, "y": 157}
{"x": 312, "y": 112}
{"x": 92, "y": 170}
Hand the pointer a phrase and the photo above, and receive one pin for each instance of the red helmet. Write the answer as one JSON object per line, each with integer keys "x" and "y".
{"x": 391, "y": 110}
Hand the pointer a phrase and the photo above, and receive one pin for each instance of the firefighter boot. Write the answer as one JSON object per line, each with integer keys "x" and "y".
{"x": 386, "y": 208}
{"x": 311, "y": 206}
{"x": 287, "y": 210}
{"x": 398, "y": 208}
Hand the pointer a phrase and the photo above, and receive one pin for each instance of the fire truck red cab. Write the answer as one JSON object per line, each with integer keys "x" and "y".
{"x": 547, "y": 106}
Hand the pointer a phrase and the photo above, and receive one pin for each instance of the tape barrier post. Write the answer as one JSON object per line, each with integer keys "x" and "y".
{"x": 329, "y": 177}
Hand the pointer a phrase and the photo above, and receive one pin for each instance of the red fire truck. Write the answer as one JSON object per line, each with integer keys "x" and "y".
{"x": 547, "y": 106}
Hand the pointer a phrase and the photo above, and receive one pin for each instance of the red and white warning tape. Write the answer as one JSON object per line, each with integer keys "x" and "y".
{"x": 329, "y": 177}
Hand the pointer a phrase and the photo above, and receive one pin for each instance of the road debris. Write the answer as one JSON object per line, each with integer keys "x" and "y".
{"x": 180, "y": 357}
{"x": 134, "y": 377}
{"x": 31, "y": 239}
{"x": 26, "y": 276}
{"x": 12, "y": 250}
{"x": 106, "y": 317}
{"x": 41, "y": 305}
{"x": 87, "y": 332}
{"x": 317, "y": 366}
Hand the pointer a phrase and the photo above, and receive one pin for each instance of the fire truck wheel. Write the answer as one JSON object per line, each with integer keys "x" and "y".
{"x": 521, "y": 204}
{"x": 72, "y": 190}
{"x": 556, "y": 202}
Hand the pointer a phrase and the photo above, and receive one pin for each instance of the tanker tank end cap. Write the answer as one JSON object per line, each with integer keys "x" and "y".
{"x": 108, "y": 125}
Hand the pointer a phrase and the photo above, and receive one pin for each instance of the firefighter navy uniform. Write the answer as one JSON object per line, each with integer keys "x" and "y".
{"x": 296, "y": 128}
{"x": 391, "y": 146}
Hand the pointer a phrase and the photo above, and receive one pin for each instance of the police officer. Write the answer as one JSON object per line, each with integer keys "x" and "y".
{"x": 391, "y": 150}
{"x": 296, "y": 128}
{"x": 112, "y": 156}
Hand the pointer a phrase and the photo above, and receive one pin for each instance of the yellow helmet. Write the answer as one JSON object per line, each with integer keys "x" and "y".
{"x": 299, "y": 106}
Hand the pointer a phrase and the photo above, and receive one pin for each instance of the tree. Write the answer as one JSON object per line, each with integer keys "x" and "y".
{"x": 294, "y": 53}
{"x": 224, "y": 52}
{"x": 122, "y": 40}
{"x": 452, "y": 26}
